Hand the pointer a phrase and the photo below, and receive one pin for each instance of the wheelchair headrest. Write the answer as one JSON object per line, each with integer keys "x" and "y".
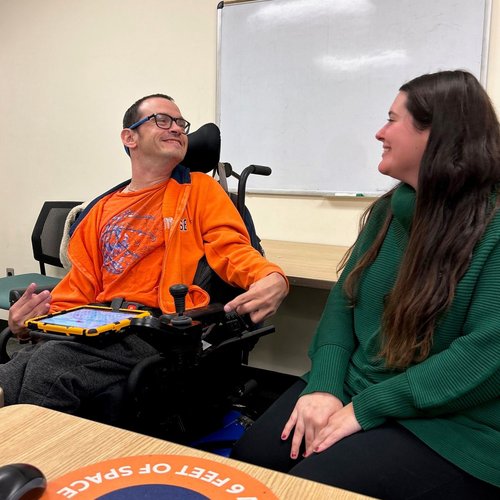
{"x": 203, "y": 150}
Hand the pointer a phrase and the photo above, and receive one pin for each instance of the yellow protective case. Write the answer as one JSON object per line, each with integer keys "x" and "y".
{"x": 88, "y": 321}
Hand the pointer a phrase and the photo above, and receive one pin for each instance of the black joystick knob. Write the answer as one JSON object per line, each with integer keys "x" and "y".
{"x": 179, "y": 293}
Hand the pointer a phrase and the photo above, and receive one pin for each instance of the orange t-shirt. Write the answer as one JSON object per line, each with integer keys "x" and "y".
{"x": 132, "y": 244}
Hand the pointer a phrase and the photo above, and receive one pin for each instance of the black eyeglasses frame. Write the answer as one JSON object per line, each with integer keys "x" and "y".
{"x": 185, "y": 128}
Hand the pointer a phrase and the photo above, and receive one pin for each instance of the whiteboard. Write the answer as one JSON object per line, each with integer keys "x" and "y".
{"x": 303, "y": 85}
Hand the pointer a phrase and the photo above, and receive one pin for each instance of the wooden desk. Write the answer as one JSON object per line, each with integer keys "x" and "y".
{"x": 57, "y": 443}
{"x": 306, "y": 264}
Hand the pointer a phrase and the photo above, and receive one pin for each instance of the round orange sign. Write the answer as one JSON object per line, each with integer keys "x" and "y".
{"x": 157, "y": 477}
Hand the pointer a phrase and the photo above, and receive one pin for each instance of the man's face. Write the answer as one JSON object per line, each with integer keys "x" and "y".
{"x": 155, "y": 142}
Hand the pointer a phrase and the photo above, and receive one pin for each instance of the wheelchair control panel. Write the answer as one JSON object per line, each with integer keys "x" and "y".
{"x": 201, "y": 329}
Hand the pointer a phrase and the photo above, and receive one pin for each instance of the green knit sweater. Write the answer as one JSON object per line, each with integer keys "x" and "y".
{"x": 450, "y": 400}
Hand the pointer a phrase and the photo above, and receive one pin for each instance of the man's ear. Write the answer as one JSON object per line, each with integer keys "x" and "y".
{"x": 128, "y": 139}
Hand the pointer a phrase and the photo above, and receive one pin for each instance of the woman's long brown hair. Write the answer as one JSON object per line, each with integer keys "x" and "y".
{"x": 458, "y": 176}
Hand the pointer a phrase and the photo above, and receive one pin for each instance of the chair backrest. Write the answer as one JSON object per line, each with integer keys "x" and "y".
{"x": 48, "y": 232}
{"x": 203, "y": 155}
{"x": 203, "y": 150}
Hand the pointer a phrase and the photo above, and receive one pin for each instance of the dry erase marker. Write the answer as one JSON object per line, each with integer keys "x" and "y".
{"x": 359, "y": 195}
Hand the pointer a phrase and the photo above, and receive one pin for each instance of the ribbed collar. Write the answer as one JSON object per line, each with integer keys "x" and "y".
{"x": 403, "y": 205}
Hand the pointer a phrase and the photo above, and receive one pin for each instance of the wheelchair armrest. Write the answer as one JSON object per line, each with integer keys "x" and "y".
{"x": 135, "y": 377}
{"x": 251, "y": 334}
{"x": 5, "y": 335}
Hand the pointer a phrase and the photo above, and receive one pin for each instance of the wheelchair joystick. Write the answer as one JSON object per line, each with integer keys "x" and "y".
{"x": 179, "y": 293}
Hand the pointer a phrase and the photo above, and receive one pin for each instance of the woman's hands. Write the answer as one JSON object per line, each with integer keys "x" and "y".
{"x": 341, "y": 424}
{"x": 321, "y": 419}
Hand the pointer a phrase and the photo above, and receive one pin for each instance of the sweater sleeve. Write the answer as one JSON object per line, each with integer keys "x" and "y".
{"x": 464, "y": 375}
{"x": 332, "y": 346}
{"x": 335, "y": 341}
{"x": 226, "y": 240}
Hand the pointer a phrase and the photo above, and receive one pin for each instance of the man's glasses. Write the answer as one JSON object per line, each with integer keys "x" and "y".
{"x": 164, "y": 121}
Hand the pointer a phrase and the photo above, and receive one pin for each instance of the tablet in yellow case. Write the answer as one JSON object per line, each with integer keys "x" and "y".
{"x": 88, "y": 321}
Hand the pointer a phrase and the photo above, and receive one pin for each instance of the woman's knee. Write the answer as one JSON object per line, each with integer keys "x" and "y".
{"x": 387, "y": 462}
{"x": 262, "y": 444}
{"x": 264, "y": 450}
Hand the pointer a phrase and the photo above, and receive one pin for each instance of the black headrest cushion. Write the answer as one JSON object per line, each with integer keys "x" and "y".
{"x": 203, "y": 150}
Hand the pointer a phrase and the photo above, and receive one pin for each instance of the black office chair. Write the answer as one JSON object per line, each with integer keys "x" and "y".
{"x": 46, "y": 241}
{"x": 198, "y": 384}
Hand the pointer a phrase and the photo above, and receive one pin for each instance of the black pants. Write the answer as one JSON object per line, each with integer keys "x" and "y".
{"x": 388, "y": 462}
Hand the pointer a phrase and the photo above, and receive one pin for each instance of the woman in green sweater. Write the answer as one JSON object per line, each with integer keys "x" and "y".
{"x": 402, "y": 400}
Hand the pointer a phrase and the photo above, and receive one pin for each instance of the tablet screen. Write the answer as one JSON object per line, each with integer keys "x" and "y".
{"x": 85, "y": 320}
{"x": 88, "y": 318}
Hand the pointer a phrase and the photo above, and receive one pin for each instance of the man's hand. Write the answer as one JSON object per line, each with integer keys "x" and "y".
{"x": 262, "y": 299}
{"x": 309, "y": 417}
{"x": 28, "y": 306}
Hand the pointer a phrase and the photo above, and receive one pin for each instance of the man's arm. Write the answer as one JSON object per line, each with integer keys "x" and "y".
{"x": 230, "y": 254}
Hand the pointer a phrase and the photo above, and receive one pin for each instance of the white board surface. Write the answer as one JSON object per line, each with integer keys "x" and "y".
{"x": 303, "y": 85}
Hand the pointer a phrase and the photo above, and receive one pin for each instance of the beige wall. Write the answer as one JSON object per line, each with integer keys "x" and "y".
{"x": 61, "y": 106}
{"x": 60, "y": 115}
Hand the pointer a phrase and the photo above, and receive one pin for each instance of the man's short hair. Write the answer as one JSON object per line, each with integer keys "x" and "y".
{"x": 132, "y": 114}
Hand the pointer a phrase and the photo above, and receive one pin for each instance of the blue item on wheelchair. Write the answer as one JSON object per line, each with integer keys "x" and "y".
{"x": 220, "y": 442}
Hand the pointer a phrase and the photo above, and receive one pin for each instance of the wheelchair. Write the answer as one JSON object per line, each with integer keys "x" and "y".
{"x": 196, "y": 378}
{"x": 183, "y": 392}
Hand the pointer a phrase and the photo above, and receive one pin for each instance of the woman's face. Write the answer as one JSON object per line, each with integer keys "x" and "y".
{"x": 403, "y": 144}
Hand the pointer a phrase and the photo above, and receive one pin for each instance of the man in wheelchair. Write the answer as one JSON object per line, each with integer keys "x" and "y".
{"x": 135, "y": 242}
